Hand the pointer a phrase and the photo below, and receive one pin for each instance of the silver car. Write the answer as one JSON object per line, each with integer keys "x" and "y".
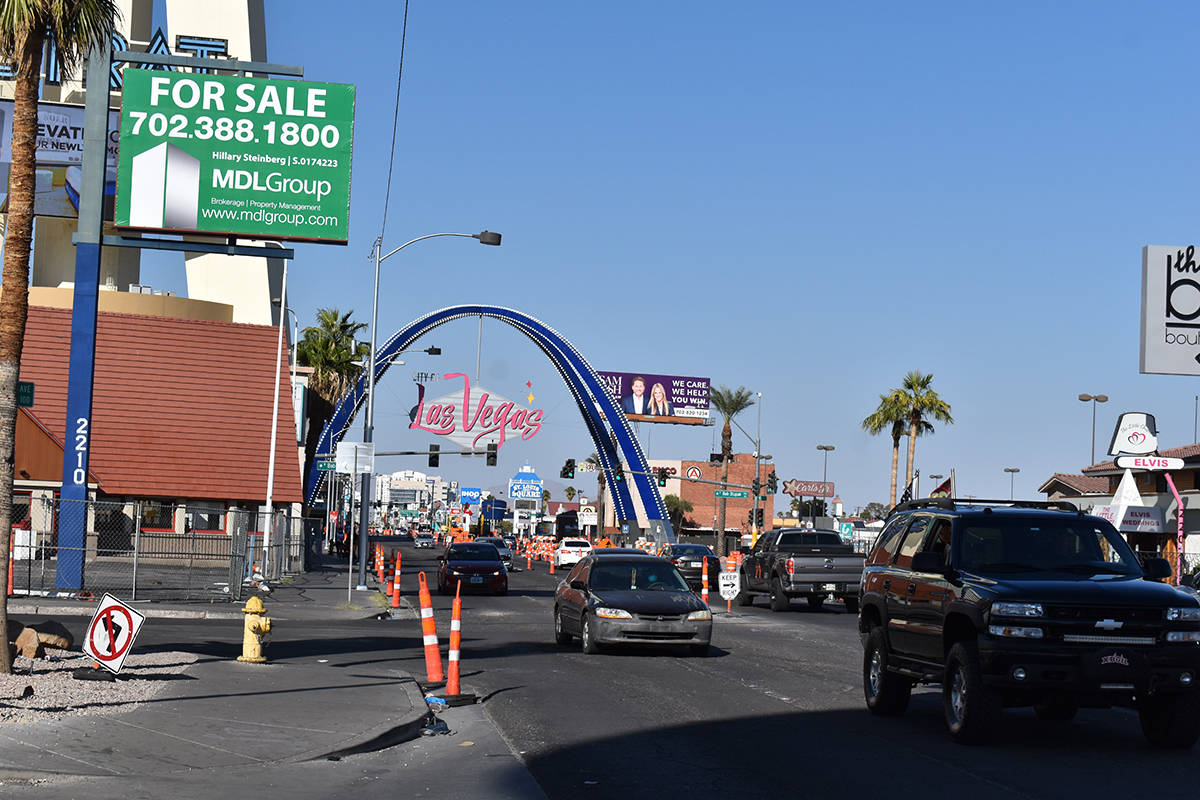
{"x": 506, "y": 553}
{"x": 423, "y": 540}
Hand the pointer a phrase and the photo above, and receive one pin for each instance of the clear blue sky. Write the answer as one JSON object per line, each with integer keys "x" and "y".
{"x": 804, "y": 199}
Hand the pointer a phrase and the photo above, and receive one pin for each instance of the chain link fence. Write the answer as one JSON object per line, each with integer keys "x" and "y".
{"x": 152, "y": 551}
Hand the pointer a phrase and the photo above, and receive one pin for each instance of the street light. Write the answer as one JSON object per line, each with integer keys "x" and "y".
{"x": 1012, "y": 476}
{"x": 827, "y": 449}
{"x": 1093, "y": 398}
{"x": 484, "y": 237}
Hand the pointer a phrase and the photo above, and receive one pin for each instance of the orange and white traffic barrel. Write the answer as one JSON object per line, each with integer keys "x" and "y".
{"x": 433, "y": 656}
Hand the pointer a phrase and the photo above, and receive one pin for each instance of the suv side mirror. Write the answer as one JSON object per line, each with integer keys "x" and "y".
{"x": 1157, "y": 568}
{"x": 929, "y": 562}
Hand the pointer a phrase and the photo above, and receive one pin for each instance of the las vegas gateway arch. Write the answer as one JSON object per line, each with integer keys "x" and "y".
{"x": 604, "y": 418}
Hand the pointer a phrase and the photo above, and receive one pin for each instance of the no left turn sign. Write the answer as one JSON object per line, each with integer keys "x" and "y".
{"x": 111, "y": 633}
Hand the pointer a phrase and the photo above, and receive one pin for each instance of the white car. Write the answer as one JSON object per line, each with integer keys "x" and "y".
{"x": 570, "y": 551}
{"x": 423, "y": 540}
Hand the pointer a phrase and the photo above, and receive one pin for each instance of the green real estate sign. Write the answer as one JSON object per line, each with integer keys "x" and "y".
{"x": 242, "y": 156}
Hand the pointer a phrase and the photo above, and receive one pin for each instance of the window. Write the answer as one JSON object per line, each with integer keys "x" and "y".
{"x": 888, "y": 541}
{"x": 913, "y": 540}
{"x": 939, "y": 540}
{"x": 205, "y": 518}
{"x": 1066, "y": 545}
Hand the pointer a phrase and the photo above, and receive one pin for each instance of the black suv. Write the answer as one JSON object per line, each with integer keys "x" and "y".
{"x": 1025, "y": 604}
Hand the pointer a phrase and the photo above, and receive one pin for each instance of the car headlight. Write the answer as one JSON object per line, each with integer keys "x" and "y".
{"x": 1183, "y": 614}
{"x": 613, "y": 613}
{"x": 1183, "y": 636}
{"x": 703, "y": 614}
{"x": 496, "y": 573}
{"x": 1017, "y": 609}
{"x": 1015, "y": 631}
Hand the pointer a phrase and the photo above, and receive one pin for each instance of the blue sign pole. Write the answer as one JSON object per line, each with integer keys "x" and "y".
{"x": 73, "y": 509}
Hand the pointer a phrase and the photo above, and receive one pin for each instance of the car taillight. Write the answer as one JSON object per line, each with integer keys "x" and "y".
{"x": 791, "y": 566}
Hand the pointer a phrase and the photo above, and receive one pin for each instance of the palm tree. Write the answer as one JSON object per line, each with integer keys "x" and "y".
{"x": 570, "y": 493}
{"x": 728, "y": 403}
{"x": 676, "y": 509}
{"x": 921, "y": 403}
{"x": 76, "y": 27}
{"x": 892, "y": 417}
{"x": 594, "y": 461}
{"x": 330, "y": 349}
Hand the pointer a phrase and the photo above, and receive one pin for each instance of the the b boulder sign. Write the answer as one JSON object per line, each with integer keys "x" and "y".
{"x": 111, "y": 633}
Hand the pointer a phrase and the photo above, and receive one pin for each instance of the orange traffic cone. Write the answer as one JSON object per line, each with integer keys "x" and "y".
{"x": 380, "y": 563}
{"x": 433, "y": 656}
{"x": 396, "y": 585}
{"x": 704, "y": 580}
{"x": 452, "y": 687}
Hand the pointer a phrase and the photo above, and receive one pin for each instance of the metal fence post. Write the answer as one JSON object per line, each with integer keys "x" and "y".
{"x": 137, "y": 544}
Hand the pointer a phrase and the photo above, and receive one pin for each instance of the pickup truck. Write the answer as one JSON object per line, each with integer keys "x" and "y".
{"x": 795, "y": 562}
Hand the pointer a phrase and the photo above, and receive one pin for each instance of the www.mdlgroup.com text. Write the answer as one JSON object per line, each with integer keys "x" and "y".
{"x": 271, "y": 217}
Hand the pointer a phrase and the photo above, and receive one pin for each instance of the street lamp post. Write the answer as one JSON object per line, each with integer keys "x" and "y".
{"x": 484, "y": 237}
{"x": 757, "y": 460}
{"x": 1012, "y": 476}
{"x": 826, "y": 448}
{"x": 1093, "y": 399}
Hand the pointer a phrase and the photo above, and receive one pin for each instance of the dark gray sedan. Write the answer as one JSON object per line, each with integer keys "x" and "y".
{"x": 629, "y": 598}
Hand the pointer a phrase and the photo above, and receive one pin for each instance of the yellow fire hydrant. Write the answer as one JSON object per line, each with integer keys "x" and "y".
{"x": 254, "y": 633}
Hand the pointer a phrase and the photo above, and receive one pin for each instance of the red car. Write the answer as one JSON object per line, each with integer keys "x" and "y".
{"x": 476, "y": 565}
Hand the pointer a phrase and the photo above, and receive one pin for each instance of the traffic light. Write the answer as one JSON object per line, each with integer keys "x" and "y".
{"x": 491, "y": 454}
{"x": 750, "y": 516}
{"x": 772, "y": 483}
{"x": 434, "y": 457}
{"x": 758, "y": 517}
{"x": 568, "y": 470}
{"x": 756, "y": 486}
{"x": 618, "y": 474}
{"x": 662, "y": 477}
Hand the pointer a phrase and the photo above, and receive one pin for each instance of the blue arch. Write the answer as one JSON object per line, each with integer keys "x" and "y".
{"x": 605, "y": 420}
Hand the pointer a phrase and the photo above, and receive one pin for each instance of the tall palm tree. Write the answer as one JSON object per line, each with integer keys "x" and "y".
{"x": 677, "y": 509}
{"x": 728, "y": 403}
{"x": 570, "y": 493}
{"x": 76, "y": 27}
{"x": 891, "y": 416}
{"x": 594, "y": 461}
{"x": 329, "y": 347}
{"x": 921, "y": 404}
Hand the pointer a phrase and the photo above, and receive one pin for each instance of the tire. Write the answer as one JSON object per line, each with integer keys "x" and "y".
{"x": 779, "y": 600}
{"x": 886, "y": 692}
{"x": 698, "y": 650}
{"x": 744, "y": 597}
{"x": 589, "y": 645}
{"x": 851, "y": 605}
{"x": 1171, "y": 721}
{"x": 502, "y": 592}
{"x": 1057, "y": 709}
{"x": 815, "y": 601}
{"x": 972, "y": 709}
{"x": 560, "y": 635}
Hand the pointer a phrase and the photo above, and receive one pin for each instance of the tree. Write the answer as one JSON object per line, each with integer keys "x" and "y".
{"x": 921, "y": 403}
{"x": 76, "y": 27}
{"x": 890, "y": 416}
{"x": 808, "y": 508}
{"x": 545, "y": 496}
{"x": 875, "y": 511}
{"x": 728, "y": 403}
{"x": 677, "y": 508}
{"x": 570, "y": 493}
{"x": 594, "y": 461}
{"x": 329, "y": 347}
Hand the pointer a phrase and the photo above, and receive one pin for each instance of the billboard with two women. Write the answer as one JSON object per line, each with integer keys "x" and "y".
{"x": 647, "y": 397}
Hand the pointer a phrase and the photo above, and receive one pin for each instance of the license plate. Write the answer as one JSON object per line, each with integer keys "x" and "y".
{"x": 829, "y": 587}
{"x": 694, "y": 564}
{"x": 476, "y": 579}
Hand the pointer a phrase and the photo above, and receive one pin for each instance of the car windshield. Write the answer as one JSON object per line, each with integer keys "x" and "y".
{"x": 492, "y": 541}
{"x": 648, "y": 575}
{"x": 575, "y": 543}
{"x": 424, "y": 536}
{"x": 697, "y": 550}
{"x": 1075, "y": 546}
{"x": 474, "y": 551}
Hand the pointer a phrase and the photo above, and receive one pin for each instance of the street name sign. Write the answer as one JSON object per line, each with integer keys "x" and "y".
{"x": 24, "y": 394}
{"x": 111, "y": 633}
{"x": 326, "y": 466}
{"x": 1154, "y": 463}
{"x": 730, "y": 493}
{"x": 728, "y": 584}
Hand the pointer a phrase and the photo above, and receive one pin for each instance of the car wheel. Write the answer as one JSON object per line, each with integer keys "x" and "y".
{"x": 779, "y": 600}
{"x": 744, "y": 598}
{"x": 1059, "y": 709}
{"x": 560, "y": 636}
{"x": 502, "y": 592}
{"x": 971, "y": 708}
{"x": 589, "y": 645}
{"x": 886, "y": 692}
{"x": 1171, "y": 721}
{"x": 851, "y": 605}
{"x": 698, "y": 650}
{"x": 815, "y": 601}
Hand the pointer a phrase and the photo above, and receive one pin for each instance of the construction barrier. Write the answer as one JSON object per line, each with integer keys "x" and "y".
{"x": 433, "y": 656}
{"x": 452, "y": 686}
{"x": 396, "y": 584}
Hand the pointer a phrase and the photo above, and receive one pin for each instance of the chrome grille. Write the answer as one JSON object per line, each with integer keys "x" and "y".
{"x": 1098, "y": 639}
{"x": 1093, "y": 613}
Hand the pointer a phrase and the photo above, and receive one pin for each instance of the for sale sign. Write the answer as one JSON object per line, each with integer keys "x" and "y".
{"x": 243, "y": 156}
{"x": 111, "y": 633}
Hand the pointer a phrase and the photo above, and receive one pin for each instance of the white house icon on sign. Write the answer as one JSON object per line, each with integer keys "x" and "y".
{"x": 164, "y": 189}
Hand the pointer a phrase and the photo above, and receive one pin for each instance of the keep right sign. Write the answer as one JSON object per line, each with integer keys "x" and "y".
{"x": 729, "y": 585}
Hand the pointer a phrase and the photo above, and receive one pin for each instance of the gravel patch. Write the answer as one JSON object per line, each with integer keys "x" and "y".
{"x": 43, "y": 689}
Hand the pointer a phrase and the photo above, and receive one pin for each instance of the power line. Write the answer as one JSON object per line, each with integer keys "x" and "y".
{"x": 395, "y": 117}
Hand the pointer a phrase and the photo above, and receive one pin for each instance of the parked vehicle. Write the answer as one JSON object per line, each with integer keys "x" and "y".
{"x": 423, "y": 540}
{"x": 570, "y": 551}
{"x": 1026, "y": 604}
{"x": 620, "y": 597}
{"x": 799, "y": 562}
{"x": 506, "y": 553}
{"x": 474, "y": 565}
{"x": 689, "y": 560}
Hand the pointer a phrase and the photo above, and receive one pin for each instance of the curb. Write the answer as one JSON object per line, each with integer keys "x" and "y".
{"x": 149, "y": 611}
{"x": 382, "y": 736}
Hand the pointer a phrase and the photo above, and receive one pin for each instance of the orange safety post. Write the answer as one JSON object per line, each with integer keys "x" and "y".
{"x": 379, "y": 563}
{"x": 385, "y": 580}
{"x": 433, "y": 656}
{"x": 396, "y": 585}
{"x": 452, "y": 687}
{"x": 528, "y": 558}
{"x": 704, "y": 580}
{"x": 10, "y": 566}
{"x": 551, "y": 560}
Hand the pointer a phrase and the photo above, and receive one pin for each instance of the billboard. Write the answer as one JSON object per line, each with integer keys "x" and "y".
{"x": 647, "y": 397}
{"x": 59, "y": 156}
{"x": 237, "y": 156}
{"x": 1170, "y": 333}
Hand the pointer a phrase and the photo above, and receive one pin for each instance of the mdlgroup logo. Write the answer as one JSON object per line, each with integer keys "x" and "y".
{"x": 164, "y": 189}
{"x": 1170, "y": 332}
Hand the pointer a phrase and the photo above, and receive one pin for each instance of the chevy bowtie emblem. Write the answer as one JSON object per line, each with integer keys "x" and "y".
{"x": 660, "y": 619}
{"x": 1109, "y": 624}
{"x": 829, "y": 563}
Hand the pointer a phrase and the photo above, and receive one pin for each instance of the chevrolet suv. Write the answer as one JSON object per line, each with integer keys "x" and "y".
{"x": 1010, "y": 604}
